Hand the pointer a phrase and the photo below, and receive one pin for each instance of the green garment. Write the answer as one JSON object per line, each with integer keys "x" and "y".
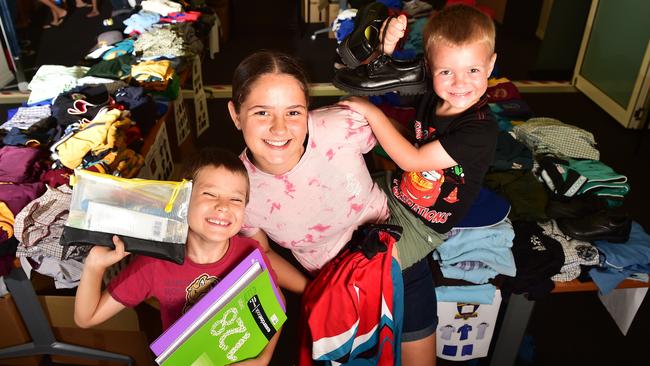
{"x": 527, "y": 196}
{"x": 418, "y": 240}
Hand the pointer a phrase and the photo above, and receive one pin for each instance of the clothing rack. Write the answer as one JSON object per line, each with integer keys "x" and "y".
{"x": 43, "y": 340}
{"x": 13, "y": 48}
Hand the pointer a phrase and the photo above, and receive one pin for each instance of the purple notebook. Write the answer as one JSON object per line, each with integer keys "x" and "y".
{"x": 175, "y": 330}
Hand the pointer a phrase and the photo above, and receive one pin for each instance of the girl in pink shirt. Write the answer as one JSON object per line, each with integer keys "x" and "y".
{"x": 310, "y": 187}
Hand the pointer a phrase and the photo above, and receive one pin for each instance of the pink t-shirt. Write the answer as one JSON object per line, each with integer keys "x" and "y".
{"x": 314, "y": 208}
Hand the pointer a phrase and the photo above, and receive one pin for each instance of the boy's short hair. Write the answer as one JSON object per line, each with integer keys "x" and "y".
{"x": 216, "y": 158}
{"x": 458, "y": 25}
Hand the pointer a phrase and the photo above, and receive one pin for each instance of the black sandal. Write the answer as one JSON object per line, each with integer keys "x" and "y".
{"x": 53, "y": 24}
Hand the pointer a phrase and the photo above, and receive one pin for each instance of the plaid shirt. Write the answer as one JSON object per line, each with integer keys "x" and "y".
{"x": 39, "y": 225}
{"x": 470, "y": 265}
{"x": 550, "y": 136}
{"x": 25, "y": 117}
{"x": 576, "y": 252}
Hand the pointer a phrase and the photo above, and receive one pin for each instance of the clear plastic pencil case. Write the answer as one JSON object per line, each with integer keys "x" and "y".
{"x": 149, "y": 216}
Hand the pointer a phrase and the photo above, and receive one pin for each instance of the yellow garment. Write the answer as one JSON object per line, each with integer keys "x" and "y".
{"x": 125, "y": 162}
{"x": 6, "y": 219}
{"x": 160, "y": 86}
{"x": 130, "y": 164}
{"x": 104, "y": 132}
{"x": 158, "y": 69}
{"x": 116, "y": 137}
{"x": 495, "y": 81}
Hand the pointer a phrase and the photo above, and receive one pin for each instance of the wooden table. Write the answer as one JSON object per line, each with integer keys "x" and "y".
{"x": 518, "y": 313}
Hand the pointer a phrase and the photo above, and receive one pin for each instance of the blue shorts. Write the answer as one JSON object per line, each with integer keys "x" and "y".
{"x": 420, "y": 303}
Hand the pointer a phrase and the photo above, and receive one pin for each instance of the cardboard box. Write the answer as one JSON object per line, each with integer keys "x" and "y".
{"x": 129, "y": 343}
{"x": 158, "y": 162}
{"x": 14, "y": 333}
{"x": 121, "y": 334}
{"x": 60, "y": 312}
{"x": 333, "y": 12}
{"x": 311, "y": 13}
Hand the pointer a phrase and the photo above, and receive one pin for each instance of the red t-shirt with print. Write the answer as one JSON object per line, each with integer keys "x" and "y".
{"x": 177, "y": 287}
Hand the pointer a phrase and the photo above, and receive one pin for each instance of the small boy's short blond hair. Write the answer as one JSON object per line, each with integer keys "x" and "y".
{"x": 459, "y": 25}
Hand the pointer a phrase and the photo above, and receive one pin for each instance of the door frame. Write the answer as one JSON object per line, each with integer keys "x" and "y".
{"x": 631, "y": 116}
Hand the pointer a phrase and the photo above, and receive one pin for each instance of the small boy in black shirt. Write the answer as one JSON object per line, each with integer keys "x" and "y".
{"x": 440, "y": 174}
{"x": 455, "y": 133}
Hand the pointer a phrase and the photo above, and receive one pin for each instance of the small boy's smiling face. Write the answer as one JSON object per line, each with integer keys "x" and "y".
{"x": 217, "y": 204}
{"x": 460, "y": 74}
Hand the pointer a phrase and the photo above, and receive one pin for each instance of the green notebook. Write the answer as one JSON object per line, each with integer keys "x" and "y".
{"x": 239, "y": 330}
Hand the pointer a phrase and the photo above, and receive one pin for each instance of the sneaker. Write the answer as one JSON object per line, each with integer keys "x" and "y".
{"x": 362, "y": 42}
{"x": 417, "y": 8}
{"x": 384, "y": 75}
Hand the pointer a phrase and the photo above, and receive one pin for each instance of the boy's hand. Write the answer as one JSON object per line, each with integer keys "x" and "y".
{"x": 360, "y": 105}
{"x": 101, "y": 257}
{"x": 395, "y": 28}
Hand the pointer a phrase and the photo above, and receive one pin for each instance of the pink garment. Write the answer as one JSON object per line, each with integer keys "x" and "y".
{"x": 314, "y": 208}
{"x": 17, "y": 196}
{"x": 178, "y": 17}
{"x": 19, "y": 164}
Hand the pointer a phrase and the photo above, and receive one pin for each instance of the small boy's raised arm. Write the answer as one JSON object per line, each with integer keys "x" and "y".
{"x": 408, "y": 157}
{"x": 92, "y": 306}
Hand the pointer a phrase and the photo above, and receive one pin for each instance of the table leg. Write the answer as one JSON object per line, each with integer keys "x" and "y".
{"x": 38, "y": 326}
{"x": 512, "y": 330}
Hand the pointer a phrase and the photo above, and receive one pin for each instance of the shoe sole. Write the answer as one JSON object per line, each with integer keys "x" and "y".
{"x": 402, "y": 89}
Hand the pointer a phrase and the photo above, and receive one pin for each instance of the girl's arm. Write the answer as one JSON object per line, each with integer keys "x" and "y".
{"x": 289, "y": 277}
{"x": 408, "y": 157}
{"x": 92, "y": 306}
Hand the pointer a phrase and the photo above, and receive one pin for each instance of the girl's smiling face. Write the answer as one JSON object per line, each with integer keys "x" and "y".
{"x": 273, "y": 120}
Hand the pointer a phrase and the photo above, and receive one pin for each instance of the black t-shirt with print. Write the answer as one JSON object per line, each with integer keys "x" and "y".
{"x": 441, "y": 198}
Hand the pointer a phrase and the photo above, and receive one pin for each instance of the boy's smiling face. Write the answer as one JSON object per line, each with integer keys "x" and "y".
{"x": 460, "y": 74}
{"x": 217, "y": 204}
